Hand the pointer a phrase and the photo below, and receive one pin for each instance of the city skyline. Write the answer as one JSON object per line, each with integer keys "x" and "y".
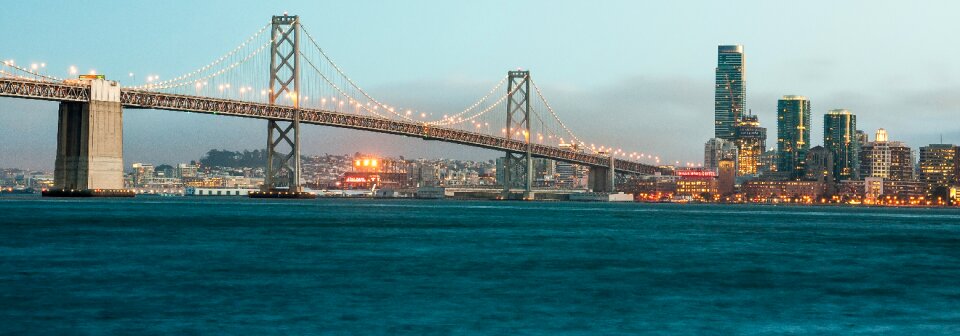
{"x": 653, "y": 100}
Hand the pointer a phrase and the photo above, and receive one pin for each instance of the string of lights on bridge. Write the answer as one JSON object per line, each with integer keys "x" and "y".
{"x": 241, "y": 72}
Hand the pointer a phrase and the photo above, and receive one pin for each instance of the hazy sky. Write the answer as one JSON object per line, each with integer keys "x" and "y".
{"x": 638, "y": 75}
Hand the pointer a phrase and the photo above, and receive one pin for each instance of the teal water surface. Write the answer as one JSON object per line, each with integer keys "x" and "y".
{"x": 253, "y": 267}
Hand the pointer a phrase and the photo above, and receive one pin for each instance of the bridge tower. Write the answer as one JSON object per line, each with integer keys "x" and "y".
{"x": 518, "y": 166}
{"x": 283, "y": 137}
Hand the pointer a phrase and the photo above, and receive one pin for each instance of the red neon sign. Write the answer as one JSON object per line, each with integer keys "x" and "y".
{"x": 696, "y": 173}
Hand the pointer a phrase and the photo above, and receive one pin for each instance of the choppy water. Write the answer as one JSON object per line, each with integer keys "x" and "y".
{"x": 253, "y": 267}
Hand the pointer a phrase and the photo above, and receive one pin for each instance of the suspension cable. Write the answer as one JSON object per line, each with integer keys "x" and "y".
{"x": 208, "y": 66}
{"x": 549, "y": 108}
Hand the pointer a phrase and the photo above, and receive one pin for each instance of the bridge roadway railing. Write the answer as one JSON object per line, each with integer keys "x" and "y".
{"x": 154, "y": 100}
{"x": 31, "y": 89}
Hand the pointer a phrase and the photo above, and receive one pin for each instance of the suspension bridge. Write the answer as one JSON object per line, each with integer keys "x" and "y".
{"x": 302, "y": 84}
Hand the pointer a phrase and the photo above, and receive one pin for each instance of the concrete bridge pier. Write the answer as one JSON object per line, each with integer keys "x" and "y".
{"x": 90, "y": 145}
{"x": 602, "y": 179}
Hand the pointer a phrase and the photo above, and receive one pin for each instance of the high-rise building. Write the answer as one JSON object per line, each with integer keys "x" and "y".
{"x": 862, "y": 137}
{"x": 840, "y": 138}
{"x": 793, "y": 134}
{"x": 890, "y": 160}
{"x": 939, "y": 165}
{"x": 768, "y": 161}
{"x": 730, "y": 91}
{"x": 716, "y": 149}
{"x": 819, "y": 165}
{"x": 751, "y": 140}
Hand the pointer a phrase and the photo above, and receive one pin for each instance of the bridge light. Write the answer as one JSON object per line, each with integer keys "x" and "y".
{"x": 73, "y": 70}
{"x": 33, "y": 66}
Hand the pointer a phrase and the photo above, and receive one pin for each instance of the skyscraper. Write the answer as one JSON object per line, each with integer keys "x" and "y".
{"x": 939, "y": 165}
{"x": 840, "y": 138}
{"x": 729, "y": 91}
{"x": 715, "y": 150}
{"x": 751, "y": 143}
{"x": 793, "y": 135}
{"x": 768, "y": 162}
{"x": 890, "y": 160}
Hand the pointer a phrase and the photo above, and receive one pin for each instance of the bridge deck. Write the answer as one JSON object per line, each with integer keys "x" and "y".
{"x": 40, "y": 90}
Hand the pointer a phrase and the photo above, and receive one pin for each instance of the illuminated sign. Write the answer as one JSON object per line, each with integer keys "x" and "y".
{"x": 365, "y": 163}
{"x": 93, "y": 77}
{"x": 695, "y": 173}
{"x": 360, "y": 178}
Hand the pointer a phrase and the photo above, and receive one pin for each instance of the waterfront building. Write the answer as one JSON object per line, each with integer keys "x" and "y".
{"x": 544, "y": 171}
{"x": 840, "y": 138}
{"x": 654, "y": 187}
{"x": 726, "y": 176}
{"x": 783, "y": 191}
{"x": 873, "y": 188}
{"x": 939, "y": 166}
{"x": 730, "y": 91}
{"x": 751, "y": 141}
{"x": 696, "y": 182}
{"x": 192, "y": 191}
{"x": 716, "y": 149}
{"x": 890, "y": 160}
{"x": 571, "y": 175}
{"x": 187, "y": 170}
{"x": 793, "y": 134}
{"x": 142, "y": 174}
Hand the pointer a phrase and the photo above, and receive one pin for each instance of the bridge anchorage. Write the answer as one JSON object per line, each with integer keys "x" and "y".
{"x": 89, "y": 158}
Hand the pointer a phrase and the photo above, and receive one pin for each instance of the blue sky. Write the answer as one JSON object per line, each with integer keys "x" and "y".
{"x": 632, "y": 74}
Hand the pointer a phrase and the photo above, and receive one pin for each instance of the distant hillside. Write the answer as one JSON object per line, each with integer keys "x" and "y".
{"x": 225, "y": 158}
